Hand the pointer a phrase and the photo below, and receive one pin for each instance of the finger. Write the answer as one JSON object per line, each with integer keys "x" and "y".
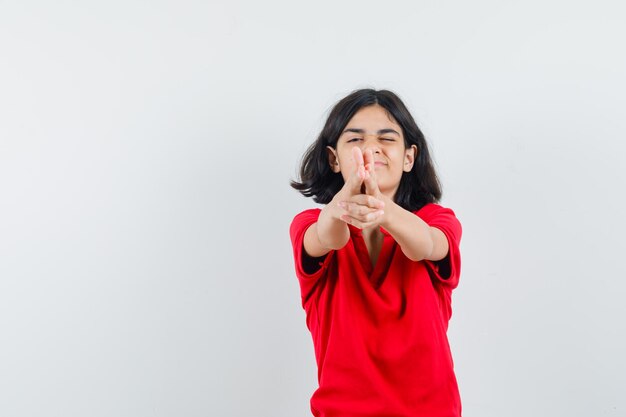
{"x": 357, "y": 223}
{"x": 366, "y": 200}
{"x": 355, "y": 209}
{"x": 369, "y": 220}
{"x": 371, "y": 185}
{"x": 371, "y": 166}
{"x": 368, "y": 164}
{"x": 357, "y": 155}
{"x": 368, "y": 160}
{"x": 371, "y": 217}
{"x": 354, "y": 183}
{"x": 364, "y": 217}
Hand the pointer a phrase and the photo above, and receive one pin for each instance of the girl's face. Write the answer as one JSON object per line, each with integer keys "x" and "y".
{"x": 372, "y": 128}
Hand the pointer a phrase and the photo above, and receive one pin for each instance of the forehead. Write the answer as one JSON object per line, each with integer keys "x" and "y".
{"x": 373, "y": 117}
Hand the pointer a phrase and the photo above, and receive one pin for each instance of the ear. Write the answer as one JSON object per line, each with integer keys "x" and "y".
{"x": 409, "y": 158}
{"x": 332, "y": 159}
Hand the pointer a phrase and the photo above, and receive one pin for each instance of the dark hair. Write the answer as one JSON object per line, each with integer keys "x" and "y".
{"x": 417, "y": 187}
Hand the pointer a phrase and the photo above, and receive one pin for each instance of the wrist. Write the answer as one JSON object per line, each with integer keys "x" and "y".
{"x": 390, "y": 209}
{"x": 332, "y": 232}
{"x": 334, "y": 206}
{"x": 332, "y": 211}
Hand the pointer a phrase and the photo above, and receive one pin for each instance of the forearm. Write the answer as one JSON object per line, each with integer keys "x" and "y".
{"x": 327, "y": 233}
{"x": 408, "y": 230}
{"x": 332, "y": 232}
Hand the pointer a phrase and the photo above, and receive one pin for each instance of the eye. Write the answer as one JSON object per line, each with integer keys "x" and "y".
{"x": 388, "y": 139}
{"x": 353, "y": 139}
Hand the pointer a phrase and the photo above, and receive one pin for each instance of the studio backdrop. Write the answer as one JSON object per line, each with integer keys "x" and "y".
{"x": 146, "y": 150}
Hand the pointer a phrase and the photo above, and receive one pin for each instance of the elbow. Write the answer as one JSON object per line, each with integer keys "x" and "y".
{"x": 336, "y": 243}
{"x": 420, "y": 252}
{"x": 340, "y": 243}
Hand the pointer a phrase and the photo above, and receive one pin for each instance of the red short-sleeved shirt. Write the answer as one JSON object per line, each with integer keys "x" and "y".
{"x": 380, "y": 333}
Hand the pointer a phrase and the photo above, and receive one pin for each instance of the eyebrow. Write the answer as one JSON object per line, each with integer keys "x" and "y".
{"x": 362, "y": 131}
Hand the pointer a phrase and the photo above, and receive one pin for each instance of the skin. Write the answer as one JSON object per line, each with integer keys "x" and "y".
{"x": 371, "y": 163}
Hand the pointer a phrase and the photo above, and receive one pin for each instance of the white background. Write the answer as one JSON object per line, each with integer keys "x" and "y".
{"x": 146, "y": 150}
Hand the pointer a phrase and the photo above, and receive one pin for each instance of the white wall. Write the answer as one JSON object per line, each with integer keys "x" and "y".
{"x": 145, "y": 154}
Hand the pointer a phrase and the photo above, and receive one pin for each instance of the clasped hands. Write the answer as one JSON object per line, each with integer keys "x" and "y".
{"x": 354, "y": 207}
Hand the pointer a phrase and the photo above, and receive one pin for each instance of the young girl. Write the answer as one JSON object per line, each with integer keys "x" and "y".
{"x": 377, "y": 265}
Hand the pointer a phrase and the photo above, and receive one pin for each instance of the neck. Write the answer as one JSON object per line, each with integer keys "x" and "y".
{"x": 372, "y": 233}
{"x": 391, "y": 194}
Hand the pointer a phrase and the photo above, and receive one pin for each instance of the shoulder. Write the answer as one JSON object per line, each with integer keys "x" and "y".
{"x": 304, "y": 219}
{"x": 307, "y": 215}
{"x": 441, "y": 217}
{"x": 312, "y": 212}
{"x": 430, "y": 210}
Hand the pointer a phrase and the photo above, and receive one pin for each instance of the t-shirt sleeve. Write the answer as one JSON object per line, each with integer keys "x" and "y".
{"x": 447, "y": 270}
{"x": 308, "y": 269}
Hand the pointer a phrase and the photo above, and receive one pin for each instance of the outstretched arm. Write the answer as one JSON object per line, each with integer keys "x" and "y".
{"x": 416, "y": 238}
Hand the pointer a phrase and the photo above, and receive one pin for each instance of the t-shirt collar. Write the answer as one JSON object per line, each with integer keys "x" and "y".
{"x": 355, "y": 231}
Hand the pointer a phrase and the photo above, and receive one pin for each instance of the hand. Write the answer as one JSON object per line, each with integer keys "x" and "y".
{"x": 371, "y": 182}
{"x": 360, "y": 210}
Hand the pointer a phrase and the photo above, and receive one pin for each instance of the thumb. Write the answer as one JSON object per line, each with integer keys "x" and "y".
{"x": 371, "y": 186}
{"x": 371, "y": 183}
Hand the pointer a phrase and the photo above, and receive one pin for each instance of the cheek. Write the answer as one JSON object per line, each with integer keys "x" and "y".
{"x": 346, "y": 161}
{"x": 397, "y": 156}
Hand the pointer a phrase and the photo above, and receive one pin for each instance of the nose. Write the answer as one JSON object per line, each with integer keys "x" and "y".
{"x": 371, "y": 144}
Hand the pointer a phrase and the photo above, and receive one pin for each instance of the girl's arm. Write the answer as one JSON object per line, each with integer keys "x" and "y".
{"x": 327, "y": 233}
{"x": 416, "y": 238}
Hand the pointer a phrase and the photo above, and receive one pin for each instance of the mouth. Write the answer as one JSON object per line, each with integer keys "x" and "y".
{"x": 379, "y": 163}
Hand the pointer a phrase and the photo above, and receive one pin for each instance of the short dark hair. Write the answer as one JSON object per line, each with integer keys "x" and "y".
{"x": 417, "y": 187}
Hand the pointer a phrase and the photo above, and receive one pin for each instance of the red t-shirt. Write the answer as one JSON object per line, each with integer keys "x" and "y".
{"x": 380, "y": 333}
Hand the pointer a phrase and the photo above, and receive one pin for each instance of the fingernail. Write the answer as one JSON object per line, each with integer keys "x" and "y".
{"x": 342, "y": 204}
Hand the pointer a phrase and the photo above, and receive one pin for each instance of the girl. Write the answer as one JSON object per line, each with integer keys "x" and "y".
{"x": 377, "y": 265}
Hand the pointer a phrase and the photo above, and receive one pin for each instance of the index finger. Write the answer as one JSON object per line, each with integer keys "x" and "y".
{"x": 368, "y": 158}
{"x": 366, "y": 200}
{"x": 358, "y": 156}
